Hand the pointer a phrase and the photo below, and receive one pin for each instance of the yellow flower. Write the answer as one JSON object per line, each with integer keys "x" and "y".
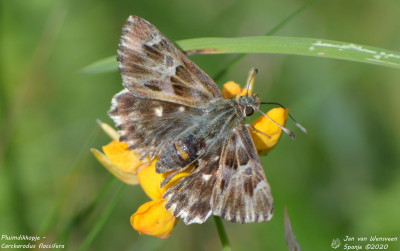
{"x": 152, "y": 218}
{"x": 118, "y": 159}
{"x": 263, "y": 143}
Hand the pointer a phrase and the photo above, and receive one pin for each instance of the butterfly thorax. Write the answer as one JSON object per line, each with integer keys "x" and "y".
{"x": 206, "y": 131}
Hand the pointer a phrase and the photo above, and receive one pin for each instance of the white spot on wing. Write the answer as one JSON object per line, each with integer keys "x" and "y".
{"x": 260, "y": 185}
{"x": 156, "y": 40}
{"x": 114, "y": 106}
{"x": 114, "y": 103}
{"x": 158, "y": 111}
{"x": 181, "y": 108}
{"x": 206, "y": 177}
{"x": 183, "y": 214}
{"x": 126, "y": 38}
{"x": 172, "y": 207}
{"x": 199, "y": 220}
{"x": 243, "y": 168}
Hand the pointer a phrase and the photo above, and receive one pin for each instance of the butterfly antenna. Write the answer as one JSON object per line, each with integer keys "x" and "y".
{"x": 302, "y": 128}
{"x": 250, "y": 81}
{"x": 287, "y": 131}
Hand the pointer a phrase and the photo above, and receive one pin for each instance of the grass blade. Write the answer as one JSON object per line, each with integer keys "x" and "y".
{"x": 102, "y": 219}
{"x": 101, "y": 66}
{"x": 275, "y": 45}
{"x": 294, "y": 46}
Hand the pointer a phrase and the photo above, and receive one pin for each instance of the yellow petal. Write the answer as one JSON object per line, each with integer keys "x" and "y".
{"x": 177, "y": 177}
{"x": 230, "y": 89}
{"x": 153, "y": 219}
{"x": 263, "y": 143}
{"x": 127, "y": 177}
{"x": 108, "y": 130}
{"x": 150, "y": 181}
{"x": 244, "y": 92}
{"x": 122, "y": 157}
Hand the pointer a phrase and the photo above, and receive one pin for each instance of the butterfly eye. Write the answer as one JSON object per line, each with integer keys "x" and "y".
{"x": 249, "y": 110}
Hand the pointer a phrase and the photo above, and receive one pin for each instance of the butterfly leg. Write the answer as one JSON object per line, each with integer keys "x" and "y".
{"x": 255, "y": 129}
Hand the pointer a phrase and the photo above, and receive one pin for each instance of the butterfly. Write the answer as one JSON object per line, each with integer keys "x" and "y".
{"x": 171, "y": 109}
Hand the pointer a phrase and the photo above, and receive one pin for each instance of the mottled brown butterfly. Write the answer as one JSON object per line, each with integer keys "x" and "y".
{"x": 171, "y": 109}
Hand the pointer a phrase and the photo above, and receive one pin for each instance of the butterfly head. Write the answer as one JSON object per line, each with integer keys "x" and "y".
{"x": 248, "y": 104}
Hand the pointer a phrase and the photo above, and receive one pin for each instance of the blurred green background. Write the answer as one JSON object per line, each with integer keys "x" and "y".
{"x": 342, "y": 178}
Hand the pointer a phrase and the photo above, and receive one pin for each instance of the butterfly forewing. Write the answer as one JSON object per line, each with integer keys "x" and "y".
{"x": 152, "y": 67}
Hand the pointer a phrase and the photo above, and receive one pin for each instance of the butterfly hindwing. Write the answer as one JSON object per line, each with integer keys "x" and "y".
{"x": 152, "y": 67}
{"x": 231, "y": 184}
{"x": 241, "y": 192}
{"x": 190, "y": 198}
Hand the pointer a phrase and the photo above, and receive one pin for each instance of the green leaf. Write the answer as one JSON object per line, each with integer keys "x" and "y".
{"x": 103, "y": 65}
{"x": 275, "y": 45}
{"x": 294, "y": 46}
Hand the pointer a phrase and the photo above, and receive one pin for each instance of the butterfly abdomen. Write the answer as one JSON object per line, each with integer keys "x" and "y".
{"x": 181, "y": 153}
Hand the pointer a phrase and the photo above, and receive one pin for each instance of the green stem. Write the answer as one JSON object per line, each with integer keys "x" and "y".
{"x": 226, "y": 246}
